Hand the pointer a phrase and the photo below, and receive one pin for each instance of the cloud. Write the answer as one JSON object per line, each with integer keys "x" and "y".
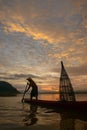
{"x": 78, "y": 70}
{"x": 36, "y": 35}
{"x": 43, "y": 20}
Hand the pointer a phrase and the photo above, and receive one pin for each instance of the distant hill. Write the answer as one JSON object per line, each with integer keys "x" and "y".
{"x": 6, "y": 89}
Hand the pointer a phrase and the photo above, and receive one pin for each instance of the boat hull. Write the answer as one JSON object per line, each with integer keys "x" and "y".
{"x": 68, "y": 105}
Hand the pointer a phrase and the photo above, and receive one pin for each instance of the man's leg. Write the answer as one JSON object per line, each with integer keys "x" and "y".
{"x": 30, "y": 97}
{"x": 36, "y": 97}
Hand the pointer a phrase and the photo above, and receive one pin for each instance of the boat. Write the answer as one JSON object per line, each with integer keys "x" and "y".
{"x": 63, "y": 105}
{"x": 67, "y": 99}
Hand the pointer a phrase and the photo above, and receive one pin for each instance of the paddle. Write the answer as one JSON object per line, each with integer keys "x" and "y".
{"x": 24, "y": 93}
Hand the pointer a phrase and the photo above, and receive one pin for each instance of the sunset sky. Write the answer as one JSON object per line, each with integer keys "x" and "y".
{"x": 35, "y": 35}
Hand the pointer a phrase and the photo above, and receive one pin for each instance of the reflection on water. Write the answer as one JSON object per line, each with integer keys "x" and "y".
{"x": 63, "y": 120}
{"x": 67, "y": 124}
{"x": 49, "y": 96}
{"x": 13, "y": 113}
{"x": 71, "y": 119}
{"x": 30, "y": 117}
{"x": 72, "y": 124}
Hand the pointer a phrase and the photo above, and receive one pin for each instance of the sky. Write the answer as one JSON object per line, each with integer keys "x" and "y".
{"x": 36, "y": 35}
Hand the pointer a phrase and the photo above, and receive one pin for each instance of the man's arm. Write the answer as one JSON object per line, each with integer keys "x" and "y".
{"x": 28, "y": 87}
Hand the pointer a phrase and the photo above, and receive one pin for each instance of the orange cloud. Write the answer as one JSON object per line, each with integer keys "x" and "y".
{"x": 12, "y": 27}
{"x": 32, "y": 31}
{"x": 53, "y": 23}
{"x": 49, "y": 88}
{"x": 61, "y": 55}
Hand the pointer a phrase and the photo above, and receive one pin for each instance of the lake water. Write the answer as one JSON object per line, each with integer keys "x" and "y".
{"x": 14, "y": 114}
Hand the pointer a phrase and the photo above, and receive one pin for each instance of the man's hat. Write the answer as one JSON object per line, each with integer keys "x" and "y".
{"x": 28, "y": 79}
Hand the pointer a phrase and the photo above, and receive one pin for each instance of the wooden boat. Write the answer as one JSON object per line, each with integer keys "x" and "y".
{"x": 67, "y": 96}
{"x": 63, "y": 105}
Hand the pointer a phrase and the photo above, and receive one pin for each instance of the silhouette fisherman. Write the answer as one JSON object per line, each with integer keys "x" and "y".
{"x": 34, "y": 91}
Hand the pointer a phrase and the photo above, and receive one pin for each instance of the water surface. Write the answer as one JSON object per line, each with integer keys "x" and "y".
{"x": 14, "y": 114}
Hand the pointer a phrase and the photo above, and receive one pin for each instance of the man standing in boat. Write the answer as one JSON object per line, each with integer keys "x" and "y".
{"x": 34, "y": 91}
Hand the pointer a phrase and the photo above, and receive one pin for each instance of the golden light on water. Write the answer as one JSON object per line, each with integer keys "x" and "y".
{"x": 51, "y": 97}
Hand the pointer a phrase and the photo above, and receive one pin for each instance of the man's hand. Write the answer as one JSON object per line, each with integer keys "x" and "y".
{"x": 27, "y": 83}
